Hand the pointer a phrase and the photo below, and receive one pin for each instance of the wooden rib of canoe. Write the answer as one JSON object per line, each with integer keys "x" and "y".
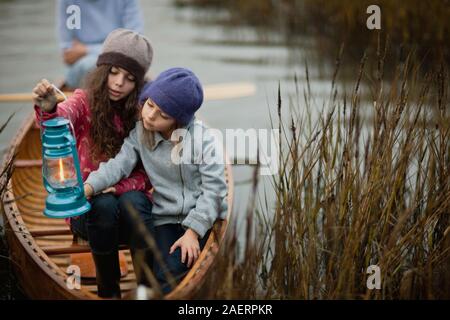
{"x": 41, "y": 248}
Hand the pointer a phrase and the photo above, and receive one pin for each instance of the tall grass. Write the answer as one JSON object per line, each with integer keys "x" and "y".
{"x": 412, "y": 24}
{"x": 8, "y": 289}
{"x": 350, "y": 195}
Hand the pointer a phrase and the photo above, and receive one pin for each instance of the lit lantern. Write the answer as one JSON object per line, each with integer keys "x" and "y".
{"x": 61, "y": 171}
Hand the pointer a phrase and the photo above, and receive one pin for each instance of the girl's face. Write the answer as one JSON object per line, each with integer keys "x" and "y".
{"x": 120, "y": 83}
{"x": 154, "y": 119}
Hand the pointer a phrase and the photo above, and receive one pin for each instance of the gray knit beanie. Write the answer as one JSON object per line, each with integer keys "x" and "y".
{"x": 129, "y": 50}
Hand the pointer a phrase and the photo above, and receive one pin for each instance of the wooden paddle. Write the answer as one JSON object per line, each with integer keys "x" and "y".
{"x": 211, "y": 92}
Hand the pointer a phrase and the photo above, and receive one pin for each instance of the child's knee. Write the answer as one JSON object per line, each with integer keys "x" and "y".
{"x": 103, "y": 211}
{"x": 136, "y": 200}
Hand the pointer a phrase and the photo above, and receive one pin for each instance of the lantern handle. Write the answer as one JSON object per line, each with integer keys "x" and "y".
{"x": 70, "y": 122}
{"x": 72, "y": 140}
{"x": 59, "y": 91}
{"x": 72, "y": 129}
{"x": 40, "y": 110}
{"x": 65, "y": 98}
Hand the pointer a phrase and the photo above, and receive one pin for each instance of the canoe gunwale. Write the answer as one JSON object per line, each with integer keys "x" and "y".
{"x": 19, "y": 233}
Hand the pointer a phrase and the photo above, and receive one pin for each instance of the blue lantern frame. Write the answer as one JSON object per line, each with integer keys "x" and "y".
{"x": 58, "y": 143}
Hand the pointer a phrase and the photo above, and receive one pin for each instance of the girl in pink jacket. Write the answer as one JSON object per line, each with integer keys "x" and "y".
{"x": 102, "y": 116}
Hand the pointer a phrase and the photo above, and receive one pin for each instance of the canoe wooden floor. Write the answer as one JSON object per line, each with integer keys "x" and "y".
{"x": 40, "y": 247}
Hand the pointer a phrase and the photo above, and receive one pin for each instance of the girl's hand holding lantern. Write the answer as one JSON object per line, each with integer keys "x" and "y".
{"x": 109, "y": 190}
{"x": 44, "y": 95}
{"x": 88, "y": 190}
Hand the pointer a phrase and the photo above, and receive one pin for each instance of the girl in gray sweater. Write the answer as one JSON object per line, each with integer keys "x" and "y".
{"x": 189, "y": 189}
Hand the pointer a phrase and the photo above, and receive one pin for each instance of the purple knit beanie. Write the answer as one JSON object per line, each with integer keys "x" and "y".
{"x": 177, "y": 91}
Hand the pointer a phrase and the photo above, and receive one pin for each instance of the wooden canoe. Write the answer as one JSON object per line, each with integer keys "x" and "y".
{"x": 40, "y": 247}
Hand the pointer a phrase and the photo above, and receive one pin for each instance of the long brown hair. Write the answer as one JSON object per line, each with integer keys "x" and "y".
{"x": 148, "y": 136}
{"x": 104, "y": 134}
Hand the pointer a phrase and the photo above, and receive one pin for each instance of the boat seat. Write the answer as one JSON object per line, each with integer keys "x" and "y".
{"x": 80, "y": 252}
{"x": 27, "y": 163}
{"x": 86, "y": 263}
{"x": 35, "y": 233}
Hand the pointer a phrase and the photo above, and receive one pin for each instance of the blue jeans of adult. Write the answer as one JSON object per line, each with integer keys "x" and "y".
{"x": 165, "y": 237}
{"x": 76, "y": 72}
{"x": 109, "y": 223}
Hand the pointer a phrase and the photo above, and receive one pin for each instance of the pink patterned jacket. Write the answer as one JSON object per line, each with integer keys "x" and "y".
{"x": 77, "y": 110}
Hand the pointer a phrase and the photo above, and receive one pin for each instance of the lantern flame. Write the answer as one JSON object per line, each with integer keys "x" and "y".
{"x": 61, "y": 171}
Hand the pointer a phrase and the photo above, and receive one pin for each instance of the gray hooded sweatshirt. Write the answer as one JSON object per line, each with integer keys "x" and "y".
{"x": 190, "y": 190}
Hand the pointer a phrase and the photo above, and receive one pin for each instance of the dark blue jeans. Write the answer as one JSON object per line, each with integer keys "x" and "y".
{"x": 109, "y": 223}
{"x": 165, "y": 237}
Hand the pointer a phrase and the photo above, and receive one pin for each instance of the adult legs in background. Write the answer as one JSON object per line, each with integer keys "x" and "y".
{"x": 76, "y": 72}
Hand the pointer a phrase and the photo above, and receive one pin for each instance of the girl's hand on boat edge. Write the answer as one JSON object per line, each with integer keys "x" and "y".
{"x": 44, "y": 95}
{"x": 189, "y": 245}
{"x": 88, "y": 190}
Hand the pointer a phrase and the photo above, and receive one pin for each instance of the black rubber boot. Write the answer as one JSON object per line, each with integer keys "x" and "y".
{"x": 108, "y": 275}
{"x": 142, "y": 257}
